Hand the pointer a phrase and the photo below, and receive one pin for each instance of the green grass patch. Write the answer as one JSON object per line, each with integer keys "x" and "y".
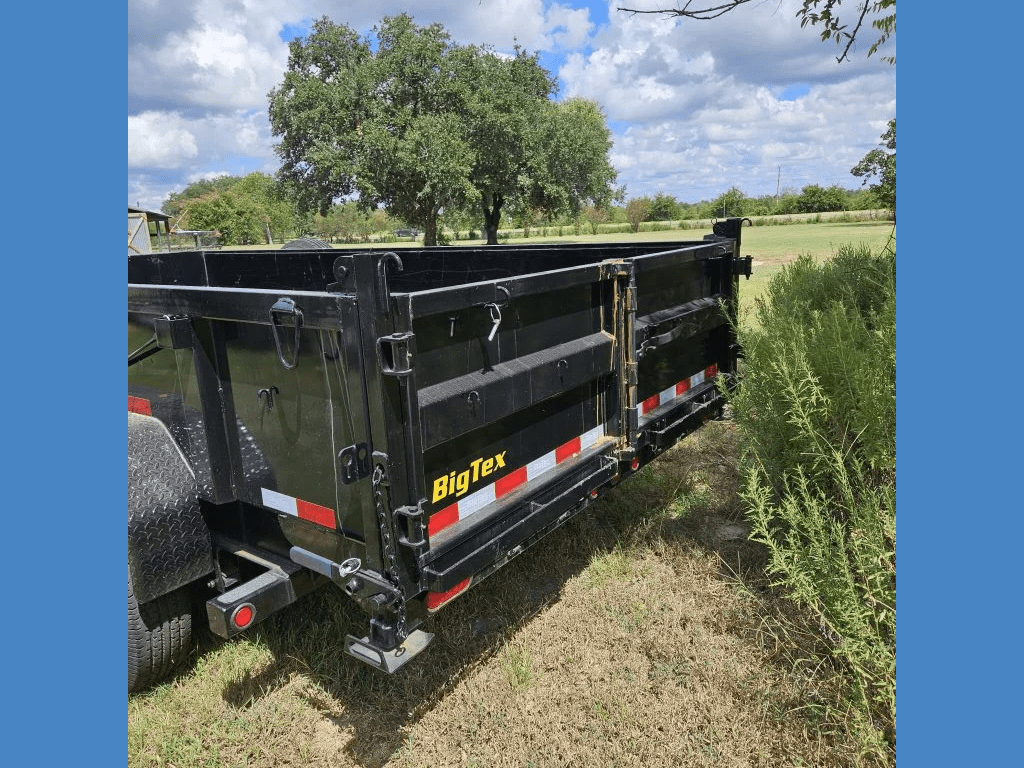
{"x": 609, "y": 566}
{"x": 517, "y": 664}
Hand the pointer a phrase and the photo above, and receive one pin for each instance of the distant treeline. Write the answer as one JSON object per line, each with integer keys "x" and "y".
{"x": 253, "y": 209}
{"x": 734, "y": 202}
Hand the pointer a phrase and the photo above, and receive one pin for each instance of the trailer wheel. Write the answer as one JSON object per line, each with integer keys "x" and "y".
{"x": 159, "y": 637}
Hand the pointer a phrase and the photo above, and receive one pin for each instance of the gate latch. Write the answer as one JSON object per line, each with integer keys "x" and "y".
{"x": 282, "y": 308}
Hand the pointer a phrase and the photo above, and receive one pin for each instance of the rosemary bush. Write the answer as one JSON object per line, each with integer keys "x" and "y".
{"x": 817, "y": 407}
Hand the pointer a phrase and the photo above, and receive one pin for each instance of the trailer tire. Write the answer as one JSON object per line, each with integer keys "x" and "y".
{"x": 159, "y": 637}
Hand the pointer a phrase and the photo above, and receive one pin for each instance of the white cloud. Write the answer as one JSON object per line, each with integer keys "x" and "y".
{"x": 567, "y": 27}
{"x": 228, "y": 60}
{"x": 159, "y": 140}
{"x": 695, "y": 105}
{"x": 701, "y": 100}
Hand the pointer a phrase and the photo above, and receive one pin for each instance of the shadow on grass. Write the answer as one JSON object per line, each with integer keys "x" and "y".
{"x": 686, "y": 497}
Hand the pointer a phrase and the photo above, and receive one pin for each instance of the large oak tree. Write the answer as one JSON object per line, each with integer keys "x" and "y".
{"x": 423, "y": 126}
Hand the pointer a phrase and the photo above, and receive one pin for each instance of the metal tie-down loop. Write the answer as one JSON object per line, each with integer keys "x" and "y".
{"x": 285, "y": 306}
{"x": 495, "y": 320}
{"x": 495, "y": 309}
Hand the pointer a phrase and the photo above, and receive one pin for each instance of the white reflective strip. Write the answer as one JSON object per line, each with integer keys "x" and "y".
{"x": 476, "y": 500}
{"x": 538, "y": 467}
{"x": 280, "y": 502}
{"x": 591, "y": 436}
{"x": 481, "y": 498}
{"x": 664, "y": 397}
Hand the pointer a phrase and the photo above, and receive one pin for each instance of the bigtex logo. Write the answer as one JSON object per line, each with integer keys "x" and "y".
{"x": 459, "y": 483}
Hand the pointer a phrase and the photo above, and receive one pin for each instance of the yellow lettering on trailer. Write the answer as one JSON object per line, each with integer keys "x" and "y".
{"x": 458, "y": 483}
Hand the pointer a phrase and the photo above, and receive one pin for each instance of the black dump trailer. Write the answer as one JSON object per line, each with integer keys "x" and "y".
{"x": 399, "y": 424}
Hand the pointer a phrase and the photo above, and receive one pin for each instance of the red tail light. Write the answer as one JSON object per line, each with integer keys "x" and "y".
{"x": 243, "y": 615}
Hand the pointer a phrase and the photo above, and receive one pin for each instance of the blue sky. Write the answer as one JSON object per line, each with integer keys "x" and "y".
{"x": 749, "y": 99}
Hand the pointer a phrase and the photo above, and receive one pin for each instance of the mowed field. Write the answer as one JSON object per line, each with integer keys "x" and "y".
{"x": 642, "y": 633}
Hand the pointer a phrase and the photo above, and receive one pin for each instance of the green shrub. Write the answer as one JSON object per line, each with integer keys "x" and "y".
{"x": 817, "y": 407}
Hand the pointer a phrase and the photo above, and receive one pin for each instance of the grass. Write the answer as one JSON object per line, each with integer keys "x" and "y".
{"x": 644, "y": 632}
{"x": 774, "y": 247}
{"x": 639, "y": 634}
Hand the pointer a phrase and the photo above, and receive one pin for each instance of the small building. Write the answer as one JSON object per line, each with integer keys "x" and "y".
{"x": 150, "y": 231}
{"x": 146, "y": 229}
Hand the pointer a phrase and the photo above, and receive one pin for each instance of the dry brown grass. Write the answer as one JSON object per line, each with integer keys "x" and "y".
{"x": 640, "y": 634}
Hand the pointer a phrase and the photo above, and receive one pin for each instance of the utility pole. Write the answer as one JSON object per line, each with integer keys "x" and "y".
{"x": 777, "y": 182}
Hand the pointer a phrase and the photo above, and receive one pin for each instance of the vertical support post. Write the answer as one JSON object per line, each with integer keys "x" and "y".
{"x": 213, "y": 379}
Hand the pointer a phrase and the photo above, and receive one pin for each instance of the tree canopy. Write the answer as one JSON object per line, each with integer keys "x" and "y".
{"x": 821, "y": 13}
{"x": 426, "y": 128}
{"x": 245, "y": 210}
{"x": 880, "y": 164}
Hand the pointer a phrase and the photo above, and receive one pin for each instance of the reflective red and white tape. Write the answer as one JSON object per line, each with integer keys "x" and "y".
{"x": 435, "y": 600}
{"x": 537, "y": 468}
{"x": 677, "y": 390}
{"x": 140, "y": 406}
{"x": 304, "y": 510}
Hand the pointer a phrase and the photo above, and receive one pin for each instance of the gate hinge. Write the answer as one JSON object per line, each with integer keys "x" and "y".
{"x": 411, "y": 531}
{"x": 742, "y": 265}
{"x": 395, "y": 353}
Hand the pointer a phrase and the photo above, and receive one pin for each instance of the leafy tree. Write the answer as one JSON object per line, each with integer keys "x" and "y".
{"x": 238, "y": 218}
{"x": 525, "y": 215}
{"x": 637, "y": 210}
{"x": 595, "y": 217}
{"x": 178, "y": 202}
{"x": 382, "y": 123}
{"x": 815, "y": 199}
{"x": 759, "y": 206}
{"x": 617, "y": 214}
{"x": 250, "y": 208}
{"x": 503, "y": 120}
{"x": 414, "y": 156}
{"x": 270, "y": 197}
{"x": 664, "y": 207}
{"x": 427, "y": 128}
{"x": 571, "y": 167}
{"x": 881, "y": 164}
{"x": 832, "y": 26}
{"x": 787, "y": 203}
{"x": 318, "y": 112}
{"x": 691, "y": 211}
{"x": 729, "y": 203}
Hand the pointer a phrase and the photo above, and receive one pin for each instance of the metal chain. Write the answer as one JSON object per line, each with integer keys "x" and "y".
{"x": 387, "y": 545}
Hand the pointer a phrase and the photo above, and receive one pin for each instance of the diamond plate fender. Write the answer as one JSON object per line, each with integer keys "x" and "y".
{"x": 168, "y": 541}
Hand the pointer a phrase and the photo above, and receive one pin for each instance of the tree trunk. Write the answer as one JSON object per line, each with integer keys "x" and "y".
{"x": 430, "y": 230}
{"x": 492, "y": 217}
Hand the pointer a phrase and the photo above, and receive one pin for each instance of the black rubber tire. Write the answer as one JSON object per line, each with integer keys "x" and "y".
{"x": 159, "y": 637}
{"x": 307, "y": 244}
